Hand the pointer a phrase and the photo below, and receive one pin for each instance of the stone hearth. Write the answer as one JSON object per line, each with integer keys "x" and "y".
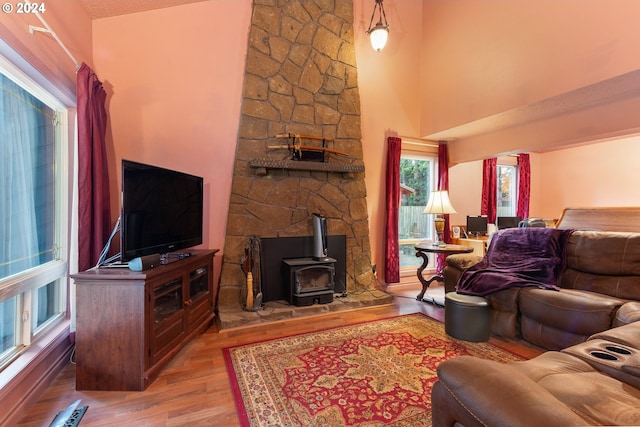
{"x": 231, "y": 317}
{"x": 300, "y": 78}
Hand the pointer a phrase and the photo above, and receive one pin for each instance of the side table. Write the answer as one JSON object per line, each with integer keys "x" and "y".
{"x": 423, "y": 250}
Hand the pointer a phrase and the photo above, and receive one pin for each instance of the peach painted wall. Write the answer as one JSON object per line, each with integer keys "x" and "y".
{"x": 489, "y": 56}
{"x": 389, "y": 84}
{"x": 603, "y": 174}
{"x": 465, "y": 189}
{"x": 174, "y": 79}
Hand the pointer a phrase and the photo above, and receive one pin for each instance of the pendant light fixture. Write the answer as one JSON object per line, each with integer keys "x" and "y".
{"x": 378, "y": 34}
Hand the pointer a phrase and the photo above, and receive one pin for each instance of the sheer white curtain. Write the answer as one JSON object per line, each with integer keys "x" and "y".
{"x": 19, "y": 129}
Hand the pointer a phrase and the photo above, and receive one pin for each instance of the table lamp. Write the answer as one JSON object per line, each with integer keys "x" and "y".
{"x": 439, "y": 204}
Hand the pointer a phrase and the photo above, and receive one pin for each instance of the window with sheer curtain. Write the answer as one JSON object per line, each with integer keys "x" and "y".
{"x": 507, "y": 190}
{"x": 32, "y": 211}
{"x": 417, "y": 180}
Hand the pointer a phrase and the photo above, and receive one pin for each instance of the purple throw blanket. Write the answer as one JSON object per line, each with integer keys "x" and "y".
{"x": 518, "y": 257}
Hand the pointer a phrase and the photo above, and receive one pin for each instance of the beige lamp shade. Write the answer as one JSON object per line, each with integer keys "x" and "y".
{"x": 439, "y": 203}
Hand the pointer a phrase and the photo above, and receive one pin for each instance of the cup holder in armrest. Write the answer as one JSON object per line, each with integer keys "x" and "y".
{"x": 602, "y": 352}
{"x": 611, "y": 358}
{"x": 618, "y": 349}
{"x": 603, "y": 355}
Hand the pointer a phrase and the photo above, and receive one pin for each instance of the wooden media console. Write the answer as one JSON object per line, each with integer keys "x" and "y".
{"x": 131, "y": 324}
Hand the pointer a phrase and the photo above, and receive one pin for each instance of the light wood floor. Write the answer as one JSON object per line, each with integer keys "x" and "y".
{"x": 194, "y": 388}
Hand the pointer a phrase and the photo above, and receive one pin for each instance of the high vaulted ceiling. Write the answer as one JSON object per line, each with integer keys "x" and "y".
{"x": 105, "y": 8}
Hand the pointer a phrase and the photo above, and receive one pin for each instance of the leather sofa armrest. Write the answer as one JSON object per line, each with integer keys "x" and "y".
{"x": 477, "y": 392}
{"x": 455, "y": 265}
{"x": 628, "y": 335}
{"x": 628, "y": 313}
{"x": 632, "y": 365}
{"x": 462, "y": 261}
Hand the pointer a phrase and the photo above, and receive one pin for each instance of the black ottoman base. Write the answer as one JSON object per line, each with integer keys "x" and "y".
{"x": 467, "y": 317}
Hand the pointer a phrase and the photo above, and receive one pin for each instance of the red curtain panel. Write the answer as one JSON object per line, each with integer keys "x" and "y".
{"x": 443, "y": 182}
{"x": 489, "y": 189}
{"x": 94, "y": 217}
{"x": 443, "y": 185}
{"x": 392, "y": 185}
{"x": 524, "y": 185}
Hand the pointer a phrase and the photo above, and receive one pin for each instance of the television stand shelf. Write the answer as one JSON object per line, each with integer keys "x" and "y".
{"x": 131, "y": 324}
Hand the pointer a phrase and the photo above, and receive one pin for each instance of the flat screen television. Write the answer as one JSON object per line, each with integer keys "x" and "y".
{"x": 162, "y": 210}
{"x": 477, "y": 225}
{"x": 503, "y": 222}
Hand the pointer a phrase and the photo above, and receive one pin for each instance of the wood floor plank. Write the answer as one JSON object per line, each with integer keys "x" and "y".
{"x": 194, "y": 388}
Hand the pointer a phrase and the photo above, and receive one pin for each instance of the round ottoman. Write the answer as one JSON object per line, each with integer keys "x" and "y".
{"x": 467, "y": 317}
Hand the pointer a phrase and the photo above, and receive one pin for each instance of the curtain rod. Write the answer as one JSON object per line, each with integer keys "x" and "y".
{"x": 422, "y": 143}
{"x": 48, "y": 29}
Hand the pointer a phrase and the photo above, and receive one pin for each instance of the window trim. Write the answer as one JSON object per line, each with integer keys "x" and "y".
{"x": 32, "y": 279}
{"x": 38, "y": 364}
{"x": 22, "y": 285}
{"x": 514, "y": 185}
{"x": 14, "y": 61}
{"x": 420, "y": 151}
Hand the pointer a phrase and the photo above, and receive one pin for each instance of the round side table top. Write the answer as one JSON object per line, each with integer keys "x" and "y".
{"x": 447, "y": 249}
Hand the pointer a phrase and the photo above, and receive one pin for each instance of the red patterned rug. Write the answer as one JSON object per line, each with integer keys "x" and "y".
{"x": 374, "y": 373}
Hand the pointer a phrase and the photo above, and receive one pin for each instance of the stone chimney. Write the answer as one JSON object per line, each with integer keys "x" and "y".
{"x": 300, "y": 78}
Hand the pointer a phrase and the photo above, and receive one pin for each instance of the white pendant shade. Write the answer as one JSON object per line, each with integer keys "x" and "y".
{"x": 379, "y": 37}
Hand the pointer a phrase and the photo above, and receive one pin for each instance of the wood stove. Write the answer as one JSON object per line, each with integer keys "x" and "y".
{"x": 275, "y": 249}
{"x": 309, "y": 280}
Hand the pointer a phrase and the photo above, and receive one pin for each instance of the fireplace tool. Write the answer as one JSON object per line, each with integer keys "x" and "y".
{"x": 247, "y": 263}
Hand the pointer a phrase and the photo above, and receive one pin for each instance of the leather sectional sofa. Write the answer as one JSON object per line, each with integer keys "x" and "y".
{"x": 599, "y": 290}
{"x": 596, "y": 382}
{"x": 591, "y": 327}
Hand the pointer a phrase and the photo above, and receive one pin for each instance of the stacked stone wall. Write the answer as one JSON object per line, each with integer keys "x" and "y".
{"x": 301, "y": 78}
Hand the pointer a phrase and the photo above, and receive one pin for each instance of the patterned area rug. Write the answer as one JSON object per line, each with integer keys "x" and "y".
{"x": 368, "y": 374}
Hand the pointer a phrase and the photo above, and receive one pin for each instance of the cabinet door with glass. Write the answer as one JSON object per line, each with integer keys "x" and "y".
{"x": 200, "y": 290}
{"x": 168, "y": 318}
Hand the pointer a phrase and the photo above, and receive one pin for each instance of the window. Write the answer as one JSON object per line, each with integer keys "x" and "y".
{"x": 33, "y": 224}
{"x": 417, "y": 179}
{"x": 507, "y": 190}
